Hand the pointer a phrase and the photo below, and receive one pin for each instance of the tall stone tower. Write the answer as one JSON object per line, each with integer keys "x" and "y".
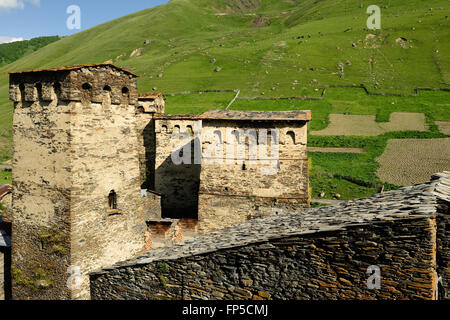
{"x": 77, "y": 204}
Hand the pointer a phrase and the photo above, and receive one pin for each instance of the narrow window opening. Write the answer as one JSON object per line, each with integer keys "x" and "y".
{"x": 112, "y": 200}
{"x": 86, "y": 86}
{"x": 22, "y": 91}
{"x": 244, "y": 167}
{"x": 291, "y": 135}
{"x": 57, "y": 87}
{"x": 39, "y": 90}
{"x": 125, "y": 90}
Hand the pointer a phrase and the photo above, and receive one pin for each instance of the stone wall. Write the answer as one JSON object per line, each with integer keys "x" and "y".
{"x": 146, "y": 149}
{"x": 322, "y": 253}
{"x": 321, "y": 266}
{"x": 75, "y": 140}
{"x": 152, "y": 103}
{"x": 226, "y": 189}
{"x": 179, "y": 183}
{"x": 443, "y": 251}
{"x": 105, "y": 159}
{"x": 41, "y": 195}
{"x": 240, "y": 189}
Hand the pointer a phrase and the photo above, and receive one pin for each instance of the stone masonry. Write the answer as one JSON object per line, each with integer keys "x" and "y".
{"x": 75, "y": 140}
{"x": 94, "y": 181}
{"x": 319, "y": 254}
{"x": 230, "y": 188}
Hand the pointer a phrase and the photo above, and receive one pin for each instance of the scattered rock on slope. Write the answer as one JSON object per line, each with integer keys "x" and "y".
{"x": 136, "y": 53}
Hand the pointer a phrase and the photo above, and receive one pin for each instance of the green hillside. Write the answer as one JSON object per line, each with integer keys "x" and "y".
{"x": 272, "y": 49}
{"x": 10, "y": 52}
{"x": 265, "y": 44}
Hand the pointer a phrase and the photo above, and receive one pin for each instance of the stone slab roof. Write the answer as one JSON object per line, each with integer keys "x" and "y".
{"x": 420, "y": 201}
{"x": 76, "y": 67}
{"x": 236, "y": 115}
{"x": 150, "y": 95}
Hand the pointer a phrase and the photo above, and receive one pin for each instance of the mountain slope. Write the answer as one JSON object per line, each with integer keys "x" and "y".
{"x": 265, "y": 44}
{"x": 10, "y": 52}
{"x": 270, "y": 47}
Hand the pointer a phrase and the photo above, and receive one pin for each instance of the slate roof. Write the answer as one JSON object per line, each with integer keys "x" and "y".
{"x": 414, "y": 202}
{"x": 236, "y": 115}
{"x": 75, "y": 67}
{"x": 150, "y": 95}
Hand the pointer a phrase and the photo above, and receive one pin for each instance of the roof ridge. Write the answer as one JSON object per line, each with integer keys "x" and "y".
{"x": 75, "y": 67}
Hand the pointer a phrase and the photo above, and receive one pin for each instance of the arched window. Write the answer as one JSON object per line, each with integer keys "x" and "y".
{"x": 112, "y": 200}
{"x": 107, "y": 88}
{"x": 125, "y": 91}
{"x": 290, "y": 136}
{"x": 190, "y": 130}
{"x": 140, "y": 109}
{"x": 217, "y": 136}
{"x": 164, "y": 129}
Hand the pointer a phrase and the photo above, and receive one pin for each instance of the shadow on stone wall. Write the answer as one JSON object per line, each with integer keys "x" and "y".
{"x": 150, "y": 156}
{"x": 179, "y": 185}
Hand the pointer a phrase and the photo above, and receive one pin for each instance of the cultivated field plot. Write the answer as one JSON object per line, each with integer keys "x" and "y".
{"x": 359, "y": 125}
{"x": 444, "y": 127}
{"x": 413, "y": 161}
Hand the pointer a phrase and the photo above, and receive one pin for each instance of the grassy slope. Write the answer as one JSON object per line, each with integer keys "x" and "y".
{"x": 186, "y": 34}
{"x": 10, "y": 52}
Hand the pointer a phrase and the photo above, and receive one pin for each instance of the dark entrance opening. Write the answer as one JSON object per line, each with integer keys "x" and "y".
{"x": 112, "y": 200}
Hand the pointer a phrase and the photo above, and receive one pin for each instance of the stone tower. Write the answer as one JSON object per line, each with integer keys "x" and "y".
{"x": 77, "y": 204}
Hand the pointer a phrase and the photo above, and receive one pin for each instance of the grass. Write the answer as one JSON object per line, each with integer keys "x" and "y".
{"x": 5, "y": 177}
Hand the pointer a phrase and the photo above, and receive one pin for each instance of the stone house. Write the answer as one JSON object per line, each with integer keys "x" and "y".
{"x": 391, "y": 246}
{"x": 94, "y": 181}
{"x": 101, "y": 176}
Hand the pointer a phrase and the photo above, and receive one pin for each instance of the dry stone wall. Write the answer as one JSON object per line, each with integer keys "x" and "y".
{"x": 324, "y": 266}
{"x": 321, "y": 253}
{"x": 443, "y": 249}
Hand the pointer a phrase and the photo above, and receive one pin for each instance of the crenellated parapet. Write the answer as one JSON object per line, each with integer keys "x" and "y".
{"x": 87, "y": 83}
